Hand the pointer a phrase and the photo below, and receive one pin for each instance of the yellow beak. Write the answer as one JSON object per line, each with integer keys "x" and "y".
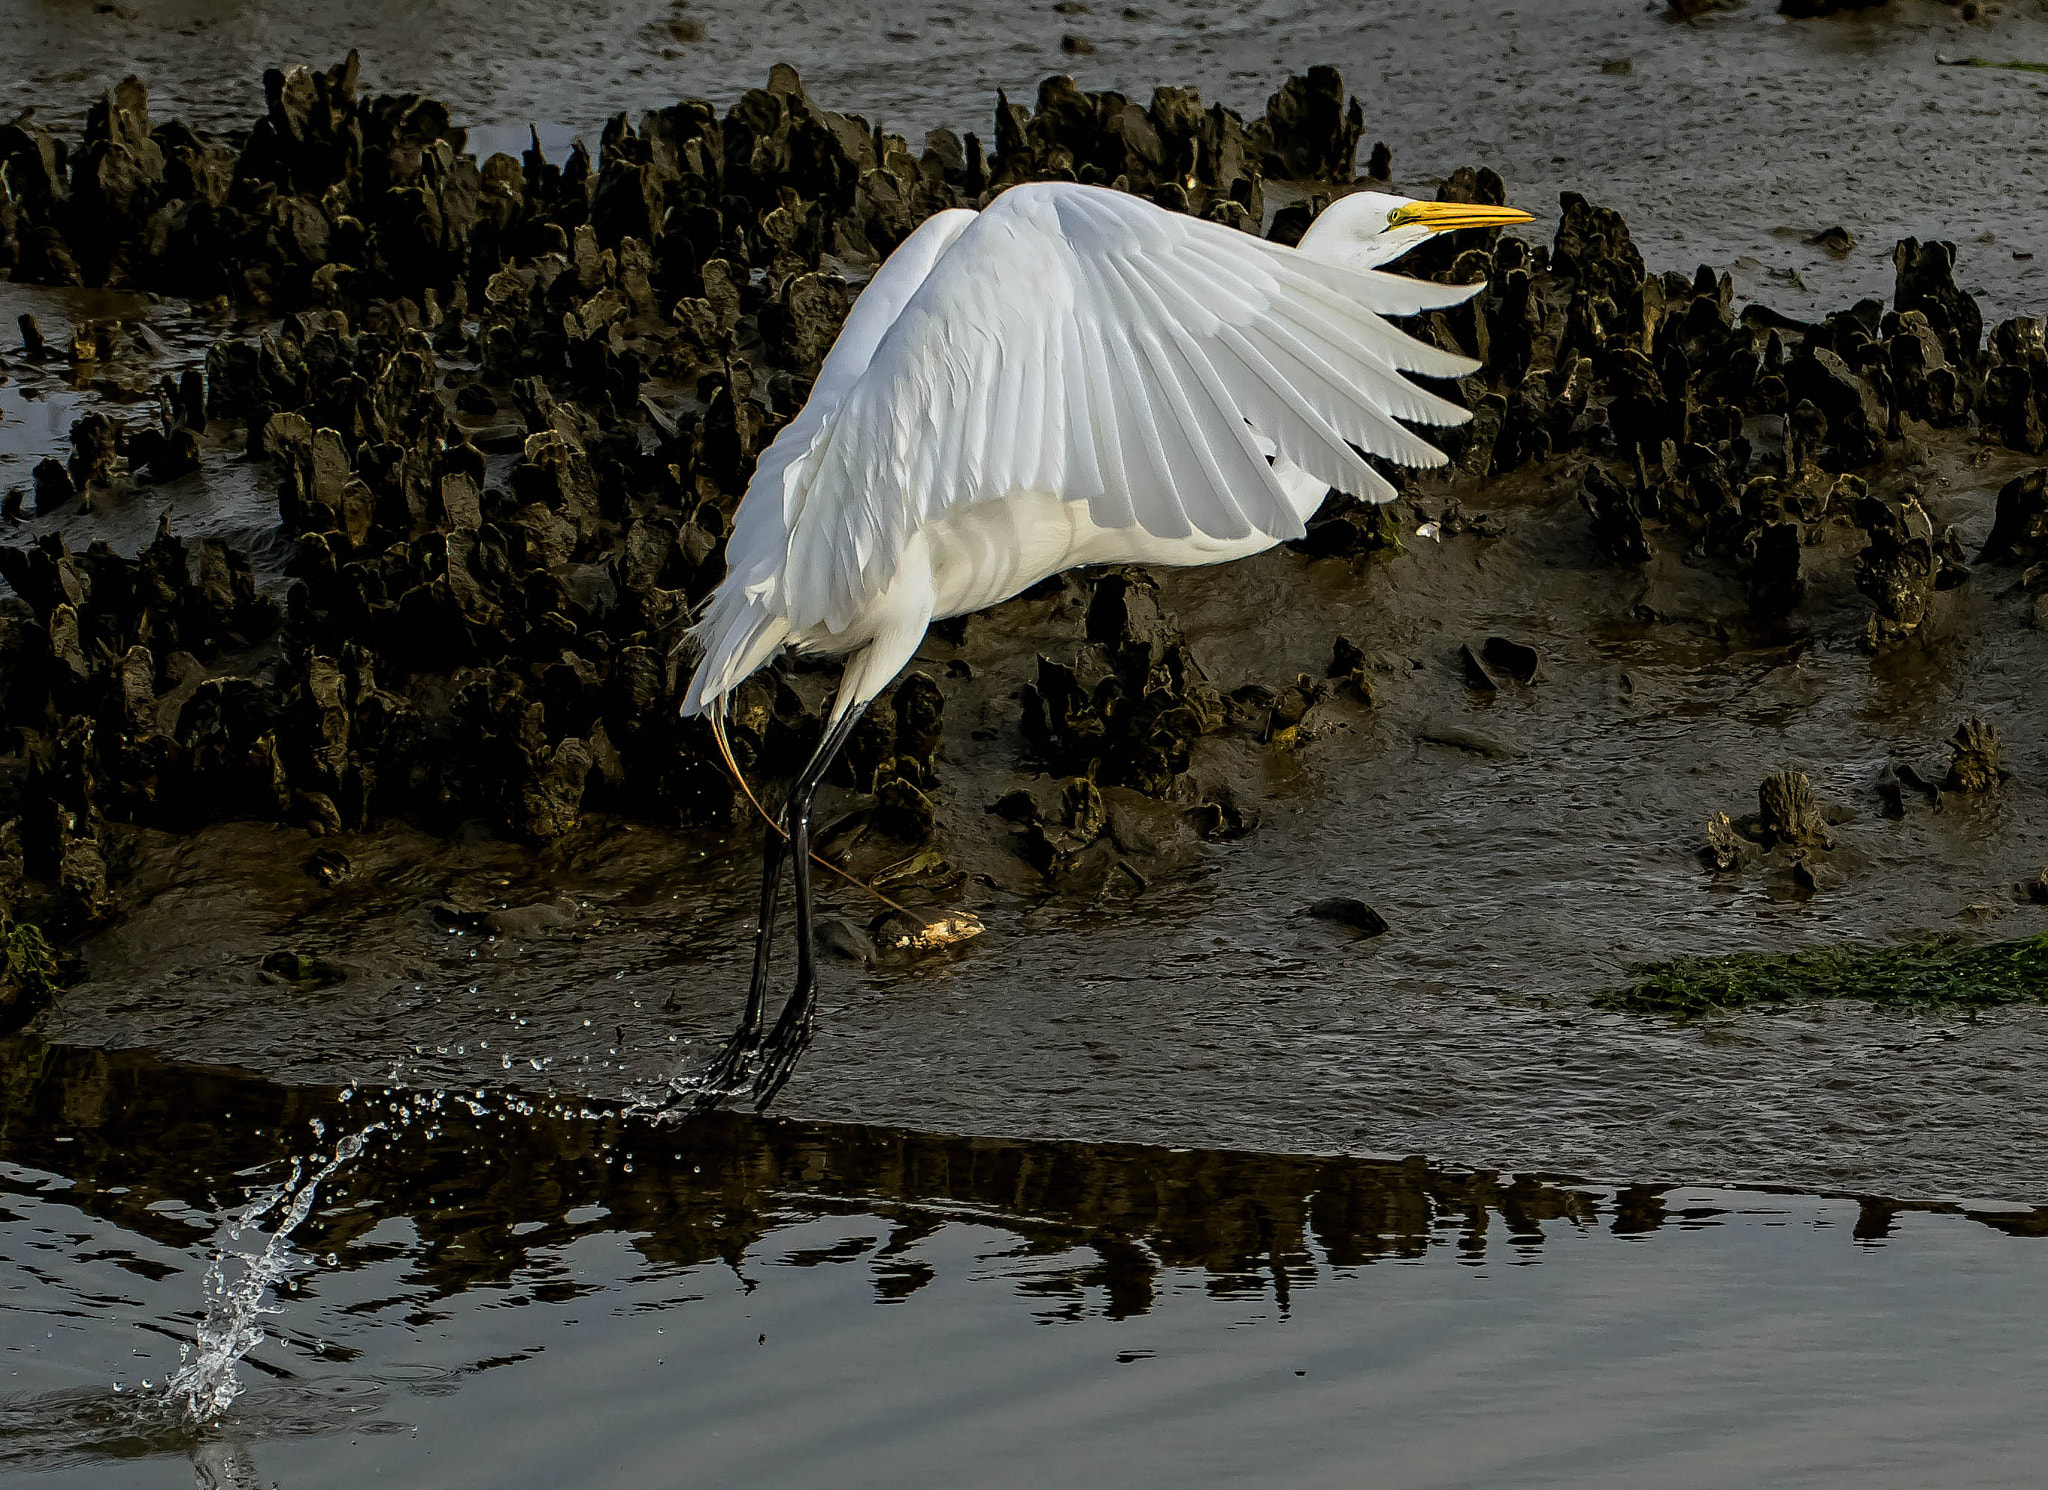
{"x": 1447, "y": 217}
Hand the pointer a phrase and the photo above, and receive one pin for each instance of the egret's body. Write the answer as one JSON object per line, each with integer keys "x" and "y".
{"x": 1072, "y": 376}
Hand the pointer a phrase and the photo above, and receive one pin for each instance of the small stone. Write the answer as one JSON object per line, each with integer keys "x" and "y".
{"x": 522, "y": 923}
{"x": 840, "y": 938}
{"x": 303, "y": 969}
{"x": 53, "y": 485}
{"x": 330, "y": 866}
{"x": 1348, "y": 663}
{"x": 1493, "y": 747}
{"x": 1837, "y": 240}
{"x": 1726, "y": 849}
{"x": 1478, "y": 677}
{"x": 1813, "y": 876}
{"x": 1522, "y": 663}
{"x": 1789, "y": 813}
{"x": 1349, "y": 912}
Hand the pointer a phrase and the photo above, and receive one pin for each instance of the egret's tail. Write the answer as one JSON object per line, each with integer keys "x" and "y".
{"x": 734, "y": 637}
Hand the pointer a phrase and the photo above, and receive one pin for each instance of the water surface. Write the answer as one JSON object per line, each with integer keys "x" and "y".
{"x": 502, "y": 1297}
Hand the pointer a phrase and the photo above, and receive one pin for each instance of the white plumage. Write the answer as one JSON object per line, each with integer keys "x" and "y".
{"x": 1070, "y": 376}
{"x": 1112, "y": 376}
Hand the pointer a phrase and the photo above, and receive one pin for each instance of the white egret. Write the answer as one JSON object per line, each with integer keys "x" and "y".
{"x": 1070, "y": 376}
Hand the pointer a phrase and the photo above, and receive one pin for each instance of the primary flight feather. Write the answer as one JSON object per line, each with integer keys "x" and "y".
{"x": 1070, "y": 376}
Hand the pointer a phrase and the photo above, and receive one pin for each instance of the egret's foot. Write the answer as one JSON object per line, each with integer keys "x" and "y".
{"x": 784, "y": 1048}
{"x": 725, "y": 1077}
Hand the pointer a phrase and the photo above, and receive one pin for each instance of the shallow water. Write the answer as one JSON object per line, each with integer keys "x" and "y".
{"x": 496, "y": 1296}
{"x": 154, "y": 339}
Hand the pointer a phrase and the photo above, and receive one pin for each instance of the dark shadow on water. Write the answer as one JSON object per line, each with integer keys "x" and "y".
{"x": 478, "y": 1218}
{"x": 131, "y": 1132}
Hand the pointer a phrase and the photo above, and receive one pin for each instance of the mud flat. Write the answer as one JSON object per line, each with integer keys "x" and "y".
{"x": 340, "y": 659}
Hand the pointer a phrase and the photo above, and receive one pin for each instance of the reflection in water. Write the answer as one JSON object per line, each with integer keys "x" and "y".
{"x": 487, "y": 1183}
{"x": 475, "y": 1219}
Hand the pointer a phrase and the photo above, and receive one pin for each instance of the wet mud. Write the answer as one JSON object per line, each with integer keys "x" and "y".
{"x": 341, "y": 662}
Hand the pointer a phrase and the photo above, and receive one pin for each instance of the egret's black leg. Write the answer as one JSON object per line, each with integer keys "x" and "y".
{"x": 720, "y": 1079}
{"x": 794, "y": 1027}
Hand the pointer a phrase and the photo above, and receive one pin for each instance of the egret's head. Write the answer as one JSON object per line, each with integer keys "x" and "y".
{"x": 1377, "y": 227}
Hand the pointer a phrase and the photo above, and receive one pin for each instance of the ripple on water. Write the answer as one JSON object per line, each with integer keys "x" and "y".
{"x": 507, "y": 1287}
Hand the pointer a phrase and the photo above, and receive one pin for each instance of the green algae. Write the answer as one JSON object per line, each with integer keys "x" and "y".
{"x": 28, "y": 967}
{"x": 1941, "y": 971}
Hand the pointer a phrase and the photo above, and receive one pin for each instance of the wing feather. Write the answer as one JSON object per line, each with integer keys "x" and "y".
{"x": 1111, "y": 501}
{"x": 1084, "y": 413}
{"x": 1086, "y": 343}
{"x": 1212, "y": 419}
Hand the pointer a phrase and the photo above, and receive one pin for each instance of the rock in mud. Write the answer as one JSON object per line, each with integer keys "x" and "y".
{"x": 1891, "y": 792}
{"x": 1346, "y": 911}
{"x": 303, "y": 969}
{"x": 1905, "y": 563}
{"x": 28, "y": 973}
{"x": 1344, "y": 527}
{"x": 53, "y": 484}
{"x": 1054, "y": 841}
{"x": 1837, "y": 240}
{"x": 1351, "y": 669}
{"x": 95, "y": 451}
{"x": 1311, "y": 129}
{"x": 1974, "y": 757}
{"x": 2019, "y": 528}
{"x": 330, "y": 866}
{"x": 1789, "y": 813}
{"x": 2015, "y": 402}
{"x": 1287, "y": 719}
{"x": 1617, "y": 517}
{"x": 1925, "y": 281}
{"x": 1220, "y": 818}
{"x": 902, "y": 935}
{"x": 1726, "y": 848}
{"x": 1504, "y": 657}
{"x": 1128, "y": 708}
{"x": 1493, "y": 747}
{"x": 1813, "y": 876}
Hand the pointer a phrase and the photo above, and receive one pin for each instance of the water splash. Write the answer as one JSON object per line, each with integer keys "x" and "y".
{"x": 207, "y": 1383}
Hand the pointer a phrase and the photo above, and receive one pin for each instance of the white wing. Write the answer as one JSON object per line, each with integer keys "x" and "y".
{"x": 760, "y": 539}
{"x": 1085, "y": 342}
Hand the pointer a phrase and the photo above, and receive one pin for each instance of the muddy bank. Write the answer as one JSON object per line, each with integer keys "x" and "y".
{"x": 400, "y": 708}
